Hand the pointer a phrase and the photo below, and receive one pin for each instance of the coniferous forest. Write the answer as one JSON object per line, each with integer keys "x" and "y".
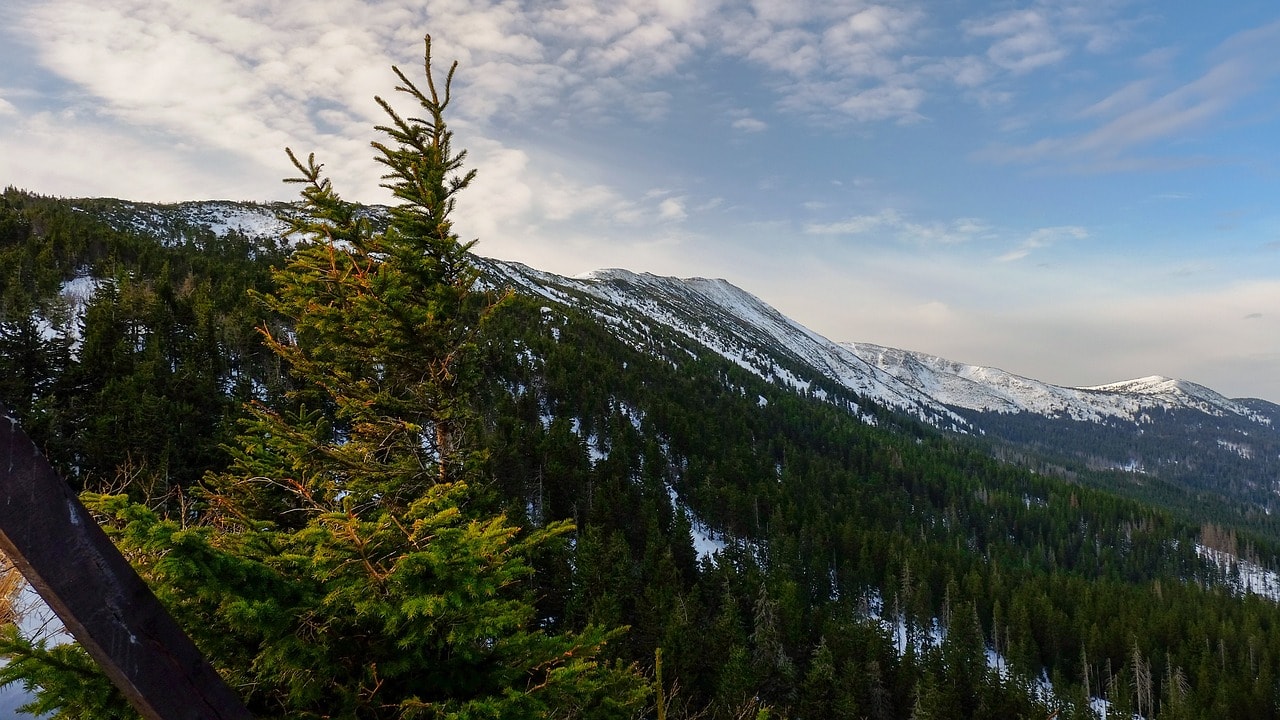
{"x": 371, "y": 481}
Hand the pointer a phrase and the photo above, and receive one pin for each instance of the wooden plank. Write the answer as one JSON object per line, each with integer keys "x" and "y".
{"x": 109, "y": 610}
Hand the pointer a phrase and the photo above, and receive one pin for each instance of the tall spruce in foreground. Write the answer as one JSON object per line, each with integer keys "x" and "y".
{"x": 337, "y": 569}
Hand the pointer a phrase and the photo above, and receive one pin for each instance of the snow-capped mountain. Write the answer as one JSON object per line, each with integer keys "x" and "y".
{"x": 733, "y": 323}
{"x": 1175, "y": 429}
{"x": 749, "y": 332}
{"x": 1148, "y": 425}
{"x": 746, "y": 330}
{"x": 987, "y": 389}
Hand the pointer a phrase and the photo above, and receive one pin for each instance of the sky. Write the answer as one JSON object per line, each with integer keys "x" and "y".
{"x": 1076, "y": 191}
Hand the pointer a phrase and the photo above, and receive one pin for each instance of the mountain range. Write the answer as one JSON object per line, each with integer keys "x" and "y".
{"x": 753, "y": 334}
{"x": 1169, "y": 428}
{"x": 782, "y": 515}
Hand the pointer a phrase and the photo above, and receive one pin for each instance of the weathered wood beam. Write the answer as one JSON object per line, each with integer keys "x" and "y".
{"x": 109, "y": 610}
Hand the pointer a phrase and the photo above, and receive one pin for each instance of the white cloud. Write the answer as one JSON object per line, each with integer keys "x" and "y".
{"x": 1183, "y": 109}
{"x": 7, "y": 108}
{"x": 1022, "y": 40}
{"x": 202, "y": 76}
{"x": 1047, "y": 33}
{"x": 1136, "y": 115}
{"x": 519, "y": 198}
{"x": 856, "y": 225}
{"x": 672, "y": 209}
{"x": 1042, "y": 238}
{"x": 792, "y": 51}
{"x": 258, "y": 66}
{"x": 649, "y": 50}
{"x": 72, "y": 155}
{"x": 894, "y": 224}
{"x": 967, "y": 72}
{"x": 840, "y": 60}
{"x": 1130, "y": 96}
{"x": 867, "y": 42}
{"x": 884, "y": 103}
{"x": 244, "y": 78}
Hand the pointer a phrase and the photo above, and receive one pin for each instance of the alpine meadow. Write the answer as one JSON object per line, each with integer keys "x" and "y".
{"x": 375, "y": 475}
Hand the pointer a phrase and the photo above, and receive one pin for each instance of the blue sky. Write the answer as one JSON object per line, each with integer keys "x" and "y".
{"x": 1076, "y": 191}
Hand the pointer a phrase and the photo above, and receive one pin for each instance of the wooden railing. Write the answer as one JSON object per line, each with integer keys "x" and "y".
{"x": 107, "y": 608}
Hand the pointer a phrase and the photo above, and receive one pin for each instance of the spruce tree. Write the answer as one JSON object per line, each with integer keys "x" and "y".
{"x": 342, "y": 566}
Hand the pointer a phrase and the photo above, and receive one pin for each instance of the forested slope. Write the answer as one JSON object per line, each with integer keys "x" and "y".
{"x": 827, "y": 520}
{"x": 849, "y": 550}
{"x": 372, "y": 480}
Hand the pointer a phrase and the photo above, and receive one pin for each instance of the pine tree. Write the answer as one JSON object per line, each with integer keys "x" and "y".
{"x": 823, "y": 692}
{"x": 29, "y": 364}
{"x": 343, "y": 566}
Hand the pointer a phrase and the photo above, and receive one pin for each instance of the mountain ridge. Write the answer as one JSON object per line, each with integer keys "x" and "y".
{"x": 731, "y": 473}
{"x": 995, "y": 390}
{"x": 261, "y": 219}
{"x": 1171, "y": 427}
{"x": 911, "y": 381}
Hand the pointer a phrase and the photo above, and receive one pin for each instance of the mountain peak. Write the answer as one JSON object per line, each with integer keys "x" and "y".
{"x": 1180, "y": 392}
{"x": 986, "y": 389}
{"x": 605, "y": 274}
{"x": 1147, "y": 385}
{"x": 751, "y": 333}
{"x": 1163, "y": 386}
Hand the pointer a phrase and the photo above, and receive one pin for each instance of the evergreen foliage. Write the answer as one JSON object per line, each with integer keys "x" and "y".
{"x": 339, "y": 567}
{"x": 125, "y": 358}
{"x": 357, "y": 553}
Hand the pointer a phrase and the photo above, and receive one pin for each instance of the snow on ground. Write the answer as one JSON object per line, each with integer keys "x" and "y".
{"x": 748, "y": 332}
{"x": 1241, "y": 449}
{"x": 706, "y": 542}
{"x": 933, "y": 635}
{"x": 80, "y": 290}
{"x": 732, "y": 323}
{"x": 250, "y": 220}
{"x": 75, "y": 295}
{"x": 993, "y": 390}
{"x": 596, "y": 449}
{"x": 1243, "y": 576}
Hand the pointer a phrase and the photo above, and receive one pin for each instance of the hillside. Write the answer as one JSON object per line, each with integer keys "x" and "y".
{"x": 812, "y": 526}
{"x": 1173, "y": 429}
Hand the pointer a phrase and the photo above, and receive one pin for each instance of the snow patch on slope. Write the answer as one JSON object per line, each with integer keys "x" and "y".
{"x": 1243, "y": 576}
{"x": 73, "y": 299}
{"x": 732, "y": 323}
{"x": 706, "y": 542}
{"x": 223, "y": 218}
{"x": 746, "y": 331}
{"x": 922, "y": 639}
{"x": 988, "y": 389}
{"x": 1183, "y": 393}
